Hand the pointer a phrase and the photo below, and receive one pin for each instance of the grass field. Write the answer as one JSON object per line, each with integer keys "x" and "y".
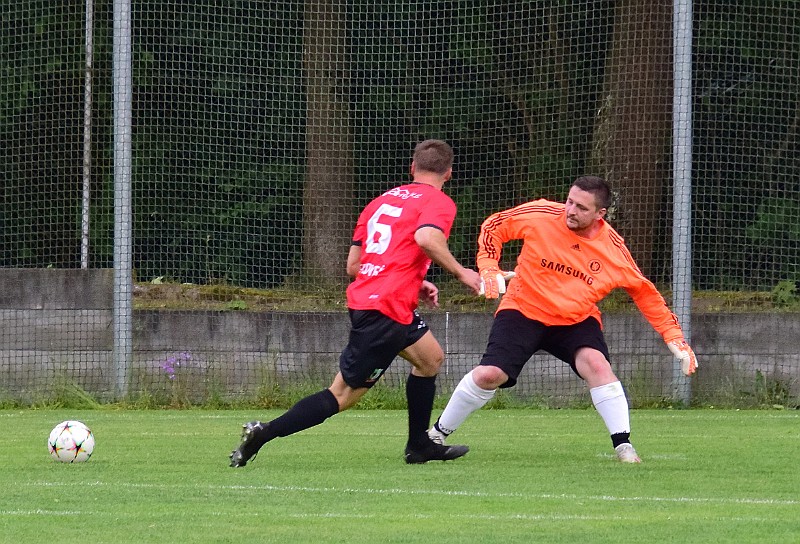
{"x": 531, "y": 476}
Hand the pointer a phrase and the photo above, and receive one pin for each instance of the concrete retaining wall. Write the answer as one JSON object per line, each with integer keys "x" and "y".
{"x": 57, "y": 325}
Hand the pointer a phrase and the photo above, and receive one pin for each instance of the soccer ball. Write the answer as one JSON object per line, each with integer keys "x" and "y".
{"x": 71, "y": 442}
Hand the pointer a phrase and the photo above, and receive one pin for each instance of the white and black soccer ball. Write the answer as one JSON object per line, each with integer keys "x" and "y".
{"x": 71, "y": 442}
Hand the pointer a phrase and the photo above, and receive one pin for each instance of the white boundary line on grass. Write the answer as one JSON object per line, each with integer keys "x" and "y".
{"x": 40, "y": 512}
{"x": 384, "y": 516}
{"x": 436, "y": 492}
{"x": 350, "y": 515}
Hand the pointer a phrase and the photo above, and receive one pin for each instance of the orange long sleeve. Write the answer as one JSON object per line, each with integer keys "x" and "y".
{"x": 560, "y": 276}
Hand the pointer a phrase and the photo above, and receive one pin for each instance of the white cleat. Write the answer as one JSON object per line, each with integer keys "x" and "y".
{"x": 626, "y": 454}
{"x": 437, "y": 436}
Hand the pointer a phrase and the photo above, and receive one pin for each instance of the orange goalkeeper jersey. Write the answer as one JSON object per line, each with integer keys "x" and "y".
{"x": 561, "y": 276}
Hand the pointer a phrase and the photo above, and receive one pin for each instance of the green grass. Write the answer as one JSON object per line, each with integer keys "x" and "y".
{"x": 302, "y": 296}
{"x": 532, "y": 476}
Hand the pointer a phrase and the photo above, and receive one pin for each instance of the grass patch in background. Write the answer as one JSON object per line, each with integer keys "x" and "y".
{"x": 761, "y": 392}
{"x": 165, "y": 295}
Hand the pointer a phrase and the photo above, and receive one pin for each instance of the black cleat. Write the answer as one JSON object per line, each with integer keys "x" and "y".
{"x": 434, "y": 452}
{"x": 246, "y": 450}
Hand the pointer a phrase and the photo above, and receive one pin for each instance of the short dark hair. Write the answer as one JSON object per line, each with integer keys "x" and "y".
{"x": 433, "y": 156}
{"x": 598, "y": 187}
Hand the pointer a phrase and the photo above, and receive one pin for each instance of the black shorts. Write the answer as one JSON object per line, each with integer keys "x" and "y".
{"x": 514, "y": 339}
{"x": 375, "y": 340}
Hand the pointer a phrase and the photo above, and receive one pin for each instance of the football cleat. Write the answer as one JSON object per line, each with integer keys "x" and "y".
{"x": 434, "y": 452}
{"x": 437, "y": 436}
{"x": 246, "y": 450}
{"x": 626, "y": 454}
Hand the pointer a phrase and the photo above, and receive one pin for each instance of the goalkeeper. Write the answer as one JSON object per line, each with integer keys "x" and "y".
{"x": 571, "y": 258}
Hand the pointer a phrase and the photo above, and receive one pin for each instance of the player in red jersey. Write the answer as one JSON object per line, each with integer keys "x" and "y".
{"x": 396, "y": 237}
{"x": 570, "y": 259}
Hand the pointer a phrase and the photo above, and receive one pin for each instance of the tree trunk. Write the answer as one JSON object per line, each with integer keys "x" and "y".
{"x": 633, "y": 133}
{"x": 328, "y": 193}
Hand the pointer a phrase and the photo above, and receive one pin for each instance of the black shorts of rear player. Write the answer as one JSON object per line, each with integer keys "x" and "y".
{"x": 514, "y": 339}
{"x": 375, "y": 340}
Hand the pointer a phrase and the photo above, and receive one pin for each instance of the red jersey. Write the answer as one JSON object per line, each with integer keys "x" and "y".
{"x": 561, "y": 276}
{"x": 392, "y": 264}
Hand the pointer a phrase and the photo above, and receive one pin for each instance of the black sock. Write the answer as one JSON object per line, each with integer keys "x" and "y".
{"x": 420, "y": 392}
{"x": 620, "y": 438}
{"x": 307, "y": 412}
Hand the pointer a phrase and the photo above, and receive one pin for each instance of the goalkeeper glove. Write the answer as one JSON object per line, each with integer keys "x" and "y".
{"x": 684, "y": 353}
{"x": 493, "y": 282}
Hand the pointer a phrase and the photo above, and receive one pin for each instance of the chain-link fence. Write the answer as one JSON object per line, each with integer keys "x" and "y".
{"x": 218, "y": 153}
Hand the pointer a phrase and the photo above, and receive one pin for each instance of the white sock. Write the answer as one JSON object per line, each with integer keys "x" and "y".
{"x": 467, "y": 398}
{"x": 611, "y": 404}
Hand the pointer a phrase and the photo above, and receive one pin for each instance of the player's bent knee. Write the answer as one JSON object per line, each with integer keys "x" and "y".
{"x": 488, "y": 377}
{"x": 429, "y": 368}
{"x": 426, "y": 359}
{"x": 596, "y": 371}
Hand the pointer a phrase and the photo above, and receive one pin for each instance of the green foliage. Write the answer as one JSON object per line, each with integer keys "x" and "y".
{"x": 772, "y": 392}
{"x": 221, "y": 145}
{"x": 762, "y": 390}
{"x": 65, "y": 393}
{"x": 272, "y": 395}
{"x": 785, "y": 294}
{"x": 8, "y": 402}
{"x": 236, "y": 305}
{"x": 776, "y": 219}
{"x": 143, "y": 399}
{"x": 382, "y": 397}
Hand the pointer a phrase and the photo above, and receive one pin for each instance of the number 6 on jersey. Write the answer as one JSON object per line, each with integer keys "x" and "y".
{"x": 384, "y": 231}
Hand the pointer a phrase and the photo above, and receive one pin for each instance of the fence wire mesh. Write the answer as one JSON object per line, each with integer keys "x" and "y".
{"x": 261, "y": 128}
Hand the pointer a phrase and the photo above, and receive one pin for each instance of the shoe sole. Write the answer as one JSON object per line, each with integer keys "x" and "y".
{"x": 629, "y": 460}
{"x": 453, "y": 452}
{"x": 628, "y": 456}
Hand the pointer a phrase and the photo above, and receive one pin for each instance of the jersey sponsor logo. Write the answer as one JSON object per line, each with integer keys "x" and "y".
{"x": 371, "y": 270}
{"x": 576, "y": 247}
{"x": 405, "y": 194}
{"x": 376, "y": 375}
{"x": 568, "y": 270}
